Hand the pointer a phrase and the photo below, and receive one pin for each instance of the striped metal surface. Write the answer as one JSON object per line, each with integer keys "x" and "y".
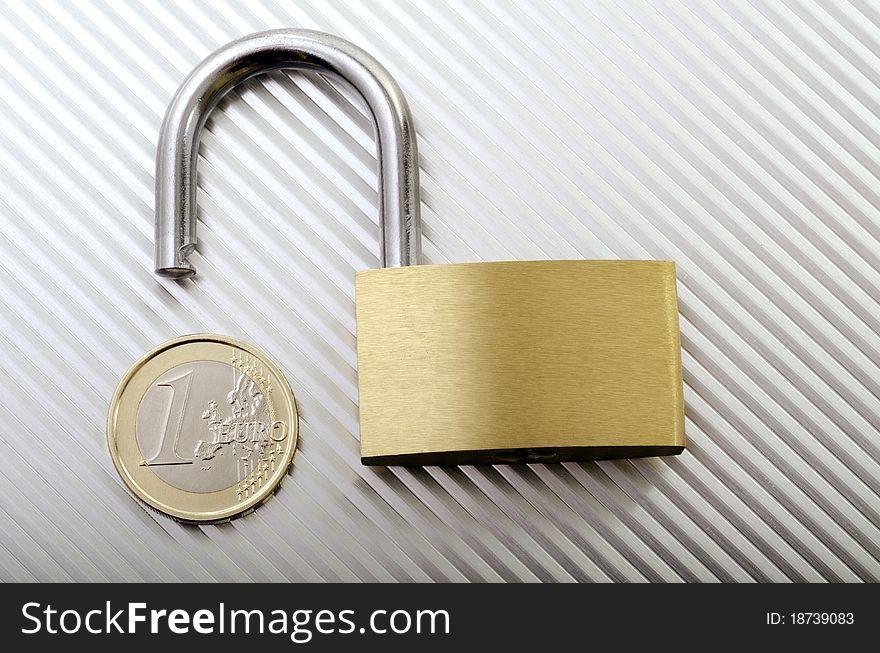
{"x": 741, "y": 139}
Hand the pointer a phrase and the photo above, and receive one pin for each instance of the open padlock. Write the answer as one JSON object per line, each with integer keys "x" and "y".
{"x": 536, "y": 361}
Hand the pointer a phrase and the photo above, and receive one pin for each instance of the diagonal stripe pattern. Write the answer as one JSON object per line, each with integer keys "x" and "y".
{"x": 741, "y": 140}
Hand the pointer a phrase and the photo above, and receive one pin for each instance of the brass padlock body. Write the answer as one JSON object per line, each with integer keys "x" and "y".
{"x": 534, "y": 361}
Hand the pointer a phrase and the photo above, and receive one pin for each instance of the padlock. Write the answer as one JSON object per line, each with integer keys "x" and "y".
{"x": 470, "y": 363}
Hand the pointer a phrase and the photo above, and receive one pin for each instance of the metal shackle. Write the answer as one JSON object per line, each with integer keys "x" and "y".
{"x": 178, "y": 148}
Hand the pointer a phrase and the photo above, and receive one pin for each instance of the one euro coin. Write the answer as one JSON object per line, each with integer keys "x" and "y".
{"x": 203, "y": 428}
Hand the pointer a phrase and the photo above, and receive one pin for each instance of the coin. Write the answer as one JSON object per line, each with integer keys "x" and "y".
{"x": 203, "y": 428}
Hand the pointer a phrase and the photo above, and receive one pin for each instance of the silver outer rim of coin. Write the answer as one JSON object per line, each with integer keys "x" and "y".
{"x": 184, "y": 516}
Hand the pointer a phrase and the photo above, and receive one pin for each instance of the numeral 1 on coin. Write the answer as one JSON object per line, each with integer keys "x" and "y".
{"x": 167, "y": 453}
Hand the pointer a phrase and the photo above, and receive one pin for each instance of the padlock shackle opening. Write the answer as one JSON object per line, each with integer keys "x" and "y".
{"x": 177, "y": 153}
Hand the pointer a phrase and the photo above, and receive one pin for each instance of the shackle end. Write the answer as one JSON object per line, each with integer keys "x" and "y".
{"x": 172, "y": 262}
{"x": 176, "y": 271}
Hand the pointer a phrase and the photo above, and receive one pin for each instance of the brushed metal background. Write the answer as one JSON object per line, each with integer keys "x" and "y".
{"x": 739, "y": 139}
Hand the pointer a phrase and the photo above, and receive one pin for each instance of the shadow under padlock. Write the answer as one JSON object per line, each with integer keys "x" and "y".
{"x": 471, "y": 363}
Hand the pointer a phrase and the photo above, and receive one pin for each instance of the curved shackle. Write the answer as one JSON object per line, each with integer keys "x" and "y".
{"x": 177, "y": 154}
